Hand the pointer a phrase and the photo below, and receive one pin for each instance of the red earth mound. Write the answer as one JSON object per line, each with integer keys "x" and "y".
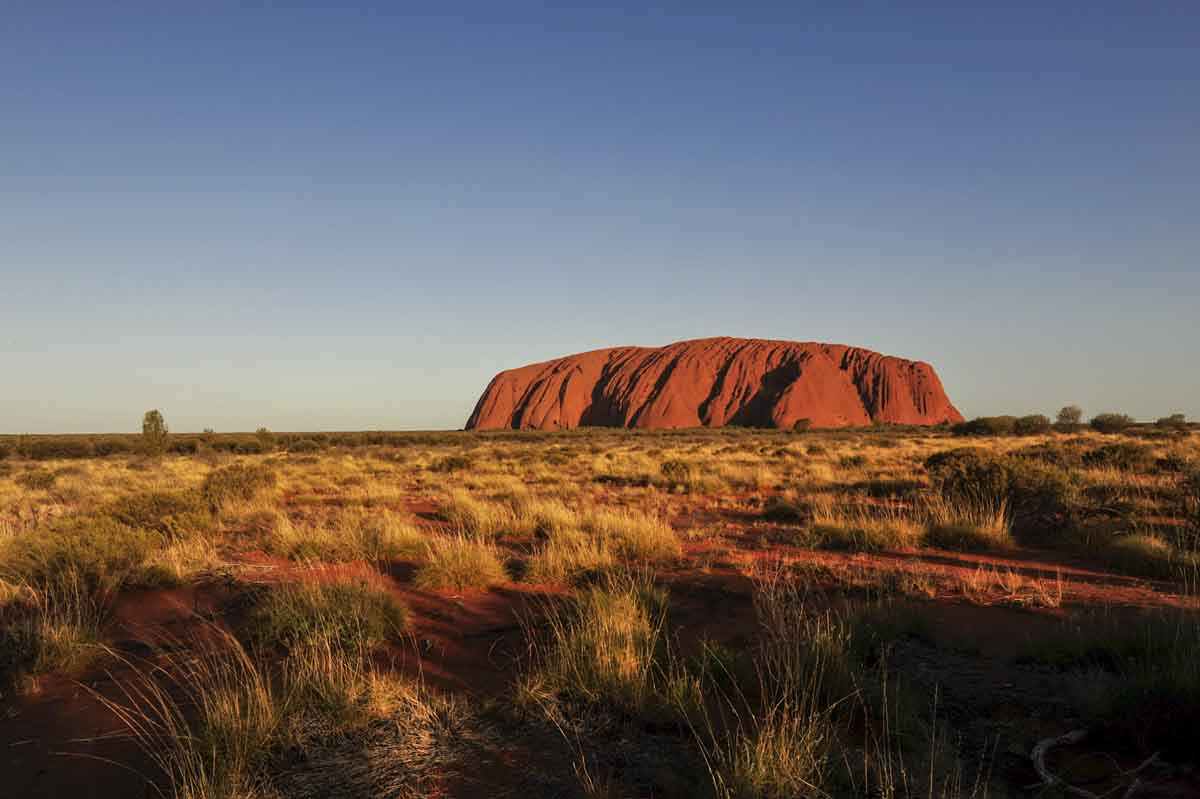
{"x": 713, "y": 382}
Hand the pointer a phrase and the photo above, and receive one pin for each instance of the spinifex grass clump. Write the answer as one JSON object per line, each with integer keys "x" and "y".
{"x": 862, "y": 528}
{"x": 607, "y": 646}
{"x": 635, "y": 535}
{"x": 374, "y": 536}
{"x": 972, "y": 523}
{"x": 460, "y": 562}
{"x": 345, "y": 611}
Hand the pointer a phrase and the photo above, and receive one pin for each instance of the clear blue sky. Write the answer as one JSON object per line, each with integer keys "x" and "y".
{"x": 348, "y": 216}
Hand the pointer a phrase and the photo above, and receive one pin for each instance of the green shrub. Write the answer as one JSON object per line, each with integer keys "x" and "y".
{"x": 239, "y": 481}
{"x": 102, "y": 553}
{"x": 1032, "y": 425}
{"x": 1040, "y": 497}
{"x": 1111, "y": 422}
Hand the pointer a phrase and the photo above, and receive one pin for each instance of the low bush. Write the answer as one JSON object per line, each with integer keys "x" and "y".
{"x": 1136, "y": 681}
{"x": 36, "y": 479}
{"x": 1065, "y": 455}
{"x": 451, "y": 463}
{"x": 175, "y": 514}
{"x": 103, "y": 554}
{"x": 239, "y": 481}
{"x": 1142, "y": 554}
{"x": 1040, "y": 497}
{"x": 1127, "y": 456}
{"x": 788, "y": 508}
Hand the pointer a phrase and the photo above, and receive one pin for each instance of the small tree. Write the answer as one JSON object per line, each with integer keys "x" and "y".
{"x": 1176, "y": 421}
{"x": 154, "y": 433}
{"x": 1070, "y": 417}
{"x": 266, "y": 439}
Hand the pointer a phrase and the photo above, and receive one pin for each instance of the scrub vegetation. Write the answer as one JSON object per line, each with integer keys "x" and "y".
{"x": 881, "y": 612}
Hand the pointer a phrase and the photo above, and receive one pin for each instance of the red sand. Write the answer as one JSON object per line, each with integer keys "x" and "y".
{"x": 713, "y": 382}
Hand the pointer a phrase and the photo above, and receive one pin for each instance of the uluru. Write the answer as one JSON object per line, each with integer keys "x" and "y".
{"x": 713, "y": 382}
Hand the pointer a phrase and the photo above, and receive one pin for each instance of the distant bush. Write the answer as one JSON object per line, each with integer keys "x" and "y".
{"x": 113, "y": 446}
{"x": 678, "y": 472}
{"x": 6, "y": 450}
{"x": 1111, "y": 422}
{"x": 58, "y": 447}
{"x": 183, "y": 446}
{"x": 986, "y": 426}
{"x": 852, "y": 461}
{"x": 1032, "y": 425}
{"x": 1068, "y": 418}
{"x": 1176, "y": 421}
{"x": 237, "y": 482}
{"x": 1066, "y": 455}
{"x": 303, "y": 445}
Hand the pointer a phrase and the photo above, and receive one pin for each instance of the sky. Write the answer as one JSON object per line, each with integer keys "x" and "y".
{"x": 325, "y": 216}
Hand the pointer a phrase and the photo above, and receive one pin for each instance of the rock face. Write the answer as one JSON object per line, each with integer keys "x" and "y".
{"x": 712, "y": 382}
